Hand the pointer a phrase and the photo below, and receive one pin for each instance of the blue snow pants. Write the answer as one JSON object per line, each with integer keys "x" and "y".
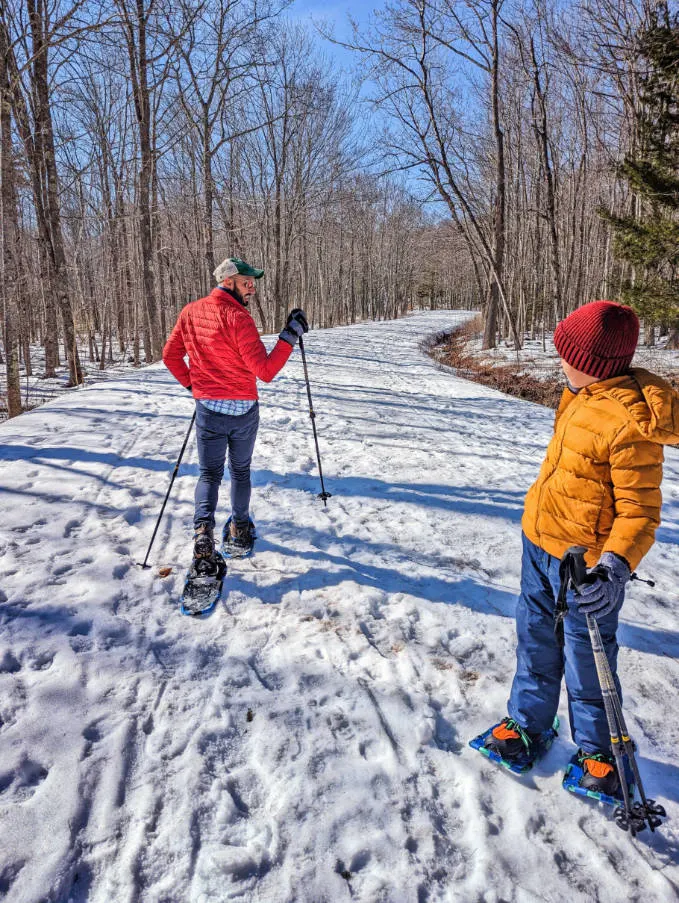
{"x": 217, "y": 433}
{"x": 542, "y": 662}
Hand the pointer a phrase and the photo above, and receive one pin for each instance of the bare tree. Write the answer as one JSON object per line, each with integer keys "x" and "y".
{"x": 10, "y": 234}
{"x": 413, "y": 58}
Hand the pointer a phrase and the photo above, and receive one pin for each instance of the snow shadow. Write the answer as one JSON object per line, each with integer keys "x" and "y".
{"x": 111, "y": 416}
{"x": 503, "y": 503}
{"x": 474, "y": 592}
{"x": 660, "y": 779}
{"x": 647, "y": 639}
{"x": 463, "y": 590}
{"x": 47, "y": 618}
{"x": 74, "y": 455}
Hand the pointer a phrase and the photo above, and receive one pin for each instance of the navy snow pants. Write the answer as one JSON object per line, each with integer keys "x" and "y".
{"x": 542, "y": 662}
{"x": 217, "y": 433}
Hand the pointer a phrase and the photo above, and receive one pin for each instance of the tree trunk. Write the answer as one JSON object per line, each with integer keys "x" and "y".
{"x": 10, "y": 236}
{"x": 490, "y": 326}
{"x": 208, "y": 201}
{"x": 135, "y": 32}
{"x": 539, "y": 109}
{"x": 44, "y": 133}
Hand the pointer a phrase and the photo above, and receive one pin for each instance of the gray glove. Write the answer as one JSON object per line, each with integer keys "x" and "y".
{"x": 295, "y": 327}
{"x": 604, "y": 594}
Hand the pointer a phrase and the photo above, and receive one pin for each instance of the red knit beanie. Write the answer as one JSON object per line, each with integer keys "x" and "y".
{"x": 598, "y": 339}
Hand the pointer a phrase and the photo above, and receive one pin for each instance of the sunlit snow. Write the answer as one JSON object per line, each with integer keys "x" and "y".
{"x": 306, "y": 742}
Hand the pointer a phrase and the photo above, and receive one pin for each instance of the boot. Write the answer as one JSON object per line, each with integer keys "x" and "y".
{"x": 599, "y": 773}
{"x": 240, "y": 536}
{"x": 203, "y": 542}
{"x": 510, "y": 741}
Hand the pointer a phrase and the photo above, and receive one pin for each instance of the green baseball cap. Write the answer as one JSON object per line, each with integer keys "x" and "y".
{"x": 234, "y": 266}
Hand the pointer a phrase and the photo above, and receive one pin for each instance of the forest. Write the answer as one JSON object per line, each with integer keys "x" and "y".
{"x": 516, "y": 156}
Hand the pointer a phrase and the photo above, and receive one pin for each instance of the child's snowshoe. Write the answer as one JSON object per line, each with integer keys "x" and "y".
{"x": 509, "y": 745}
{"x": 584, "y": 777}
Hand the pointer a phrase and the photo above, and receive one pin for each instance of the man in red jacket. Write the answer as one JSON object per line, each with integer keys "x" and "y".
{"x": 226, "y": 357}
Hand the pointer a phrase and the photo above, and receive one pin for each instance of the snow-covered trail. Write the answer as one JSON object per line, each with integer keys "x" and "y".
{"x": 308, "y": 741}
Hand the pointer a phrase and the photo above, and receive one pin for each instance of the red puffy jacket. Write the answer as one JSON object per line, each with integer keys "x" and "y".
{"x": 226, "y": 354}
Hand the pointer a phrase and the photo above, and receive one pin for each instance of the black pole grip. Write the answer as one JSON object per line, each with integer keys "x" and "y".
{"x": 577, "y": 566}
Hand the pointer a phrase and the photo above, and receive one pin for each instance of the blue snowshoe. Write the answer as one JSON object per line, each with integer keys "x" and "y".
{"x": 509, "y": 745}
{"x": 596, "y": 777}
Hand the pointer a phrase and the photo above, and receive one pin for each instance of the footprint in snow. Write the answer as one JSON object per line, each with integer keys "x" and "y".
{"x": 91, "y": 735}
{"x": 132, "y": 514}
{"x": 61, "y": 570}
{"x": 12, "y": 702}
{"x": 80, "y": 640}
{"x": 70, "y": 528}
{"x": 82, "y": 628}
{"x": 22, "y": 783}
{"x": 42, "y": 661}
{"x": 9, "y": 664}
{"x": 9, "y": 875}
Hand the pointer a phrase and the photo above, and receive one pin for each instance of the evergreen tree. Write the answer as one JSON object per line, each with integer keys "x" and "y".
{"x": 648, "y": 238}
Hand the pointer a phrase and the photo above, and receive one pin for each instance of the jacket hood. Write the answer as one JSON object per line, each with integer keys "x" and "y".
{"x": 649, "y": 401}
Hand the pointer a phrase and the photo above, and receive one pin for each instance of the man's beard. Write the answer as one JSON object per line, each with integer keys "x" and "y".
{"x": 244, "y": 301}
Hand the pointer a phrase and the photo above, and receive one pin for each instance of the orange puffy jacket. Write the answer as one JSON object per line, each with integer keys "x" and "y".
{"x": 226, "y": 354}
{"x": 599, "y": 485}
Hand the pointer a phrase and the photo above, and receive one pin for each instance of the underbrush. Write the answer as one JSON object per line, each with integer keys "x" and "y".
{"x": 452, "y": 350}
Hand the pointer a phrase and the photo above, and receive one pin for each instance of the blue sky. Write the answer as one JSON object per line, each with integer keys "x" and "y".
{"x": 334, "y": 14}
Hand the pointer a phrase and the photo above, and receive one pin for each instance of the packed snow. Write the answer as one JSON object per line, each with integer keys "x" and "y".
{"x": 307, "y": 741}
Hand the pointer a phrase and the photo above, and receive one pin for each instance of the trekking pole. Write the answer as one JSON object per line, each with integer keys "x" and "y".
{"x": 648, "y": 810}
{"x": 633, "y": 817}
{"x": 169, "y": 488}
{"x": 323, "y": 494}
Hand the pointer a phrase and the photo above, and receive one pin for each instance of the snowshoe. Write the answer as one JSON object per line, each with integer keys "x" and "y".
{"x": 586, "y": 779}
{"x": 639, "y": 815}
{"x": 499, "y": 744}
{"x": 203, "y": 585}
{"x": 238, "y": 538}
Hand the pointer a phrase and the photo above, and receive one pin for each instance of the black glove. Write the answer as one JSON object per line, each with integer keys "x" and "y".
{"x": 295, "y": 326}
{"x": 298, "y": 316}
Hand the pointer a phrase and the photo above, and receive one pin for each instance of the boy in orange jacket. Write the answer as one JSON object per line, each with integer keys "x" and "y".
{"x": 599, "y": 487}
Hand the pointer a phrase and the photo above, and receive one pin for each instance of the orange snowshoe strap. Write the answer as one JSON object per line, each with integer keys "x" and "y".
{"x": 598, "y": 769}
{"x": 504, "y": 732}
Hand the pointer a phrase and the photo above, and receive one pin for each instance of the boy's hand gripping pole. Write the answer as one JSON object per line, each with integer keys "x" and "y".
{"x": 631, "y": 817}
{"x": 322, "y": 494}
